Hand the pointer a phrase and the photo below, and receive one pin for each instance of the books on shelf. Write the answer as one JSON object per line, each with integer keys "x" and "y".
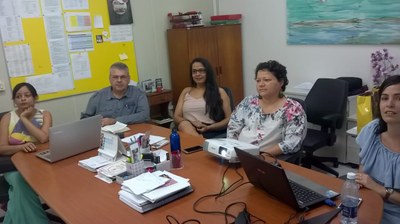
{"x": 116, "y": 128}
{"x": 151, "y": 190}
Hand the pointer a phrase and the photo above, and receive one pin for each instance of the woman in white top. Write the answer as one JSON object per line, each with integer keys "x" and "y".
{"x": 275, "y": 123}
{"x": 203, "y": 109}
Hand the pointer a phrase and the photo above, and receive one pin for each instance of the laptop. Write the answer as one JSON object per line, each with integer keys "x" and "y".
{"x": 72, "y": 138}
{"x": 294, "y": 190}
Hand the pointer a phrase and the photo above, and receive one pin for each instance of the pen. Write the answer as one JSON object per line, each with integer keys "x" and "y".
{"x": 130, "y": 147}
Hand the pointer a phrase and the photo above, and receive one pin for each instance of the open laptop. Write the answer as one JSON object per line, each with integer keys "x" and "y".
{"x": 72, "y": 138}
{"x": 283, "y": 185}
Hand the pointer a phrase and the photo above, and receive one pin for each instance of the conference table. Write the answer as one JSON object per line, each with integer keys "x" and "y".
{"x": 77, "y": 196}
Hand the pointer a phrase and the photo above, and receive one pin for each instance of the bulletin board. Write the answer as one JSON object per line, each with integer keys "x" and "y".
{"x": 101, "y": 57}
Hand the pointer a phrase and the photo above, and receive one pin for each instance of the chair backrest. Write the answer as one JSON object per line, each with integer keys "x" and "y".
{"x": 229, "y": 92}
{"x": 327, "y": 97}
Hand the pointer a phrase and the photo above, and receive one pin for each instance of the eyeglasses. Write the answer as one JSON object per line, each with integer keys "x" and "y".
{"x": 200, "y": 70}
{"x": 122, "y": 77}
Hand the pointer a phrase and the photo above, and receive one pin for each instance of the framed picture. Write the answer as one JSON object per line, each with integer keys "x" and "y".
{"x": 147, "y": 85}
{"x": 119, "y": 12}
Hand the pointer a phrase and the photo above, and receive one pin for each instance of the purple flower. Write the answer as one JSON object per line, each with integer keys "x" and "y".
{"x": 381, "y": 63}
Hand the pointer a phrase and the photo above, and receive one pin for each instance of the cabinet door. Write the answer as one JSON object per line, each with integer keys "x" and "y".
{"x": 230, "y": 71}
{"x": 178, "y": 61}
{"x": 203, "y": 43}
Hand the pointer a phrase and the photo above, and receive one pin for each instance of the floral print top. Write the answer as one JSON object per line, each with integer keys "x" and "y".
{"x": 286, "y": 127}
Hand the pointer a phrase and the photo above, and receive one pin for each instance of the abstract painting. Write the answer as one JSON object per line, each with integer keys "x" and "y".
{"x": 343, "y": 22}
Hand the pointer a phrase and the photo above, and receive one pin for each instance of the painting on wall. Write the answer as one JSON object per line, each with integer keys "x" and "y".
{"x": 343, "y": 22}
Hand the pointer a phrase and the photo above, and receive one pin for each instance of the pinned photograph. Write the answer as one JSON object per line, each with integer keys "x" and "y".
{"x": 120, "y": 12}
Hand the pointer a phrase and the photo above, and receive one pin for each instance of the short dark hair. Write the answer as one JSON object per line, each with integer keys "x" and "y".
{"x": 22, "y": 84}
{"x": 392, "y": 80}
{"x": 120, "y": 66}
{"x": 278, "y": 70}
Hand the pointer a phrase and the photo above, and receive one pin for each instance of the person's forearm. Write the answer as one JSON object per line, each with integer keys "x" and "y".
{"x": 219, "y": 125}
{"x": 7, "y": 150}
{"x": 274, "y": 150}
{"x": 36, "y": 132}
{"x": 135, "y": 118}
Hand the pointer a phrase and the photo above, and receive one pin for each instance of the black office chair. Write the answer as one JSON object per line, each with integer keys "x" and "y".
{"x": 326, "y": 107}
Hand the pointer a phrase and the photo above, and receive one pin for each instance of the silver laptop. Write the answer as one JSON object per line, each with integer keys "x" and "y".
{"x": 292, "y": 189}
{"x": 72, "y": 138}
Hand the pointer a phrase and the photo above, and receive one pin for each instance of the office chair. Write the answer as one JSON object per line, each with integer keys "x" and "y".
{"x": 326, "y": 107}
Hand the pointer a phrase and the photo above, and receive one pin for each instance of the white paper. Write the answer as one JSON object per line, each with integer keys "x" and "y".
{"x": 54, "y": 26}
{"x": 19, "y": 60}
{"x": 121, "y": 33}
{"x": 145, "y": 182}
{"x": 133, "y": 138}
{"x": 80, "y": 66}
{"x": 95, "y": 162}
{"x": 11, "y": 28}
{"x": 75, "y": 4}
{"x": 51, "y": 7}
{"x": 115, "y": 128}
{"x": 80, "y": 42}
{"x": 77, "y": 21}
{"x": 98, "y": 22}
{"x": 63, "y": 76}
{"x": 27, "y": 8}
{"x": 43, "y": 83}
{"x": 58, "y": 52}
{"x": 6, "y": 8}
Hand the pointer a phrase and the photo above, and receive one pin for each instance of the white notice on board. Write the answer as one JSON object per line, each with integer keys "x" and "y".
{"x": 43, "y": 83}
{"x": 80, "y": 42}
{"x": 19, "y": 60}
{"x": 80, "y": 66}
{"x": 121, "y": 33}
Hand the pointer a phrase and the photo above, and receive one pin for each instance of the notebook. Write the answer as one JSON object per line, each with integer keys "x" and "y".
{"x": 288, "y": 187}
{"x": 72, "y": 138}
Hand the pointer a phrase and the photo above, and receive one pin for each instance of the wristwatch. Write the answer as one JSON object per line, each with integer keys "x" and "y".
{"x": 389, "y": 191}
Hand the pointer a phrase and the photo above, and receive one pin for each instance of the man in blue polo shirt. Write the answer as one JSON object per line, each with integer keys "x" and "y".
{"x": 120, "y": 101}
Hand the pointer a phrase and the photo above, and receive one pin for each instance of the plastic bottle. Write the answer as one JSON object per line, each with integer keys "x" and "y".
{"x": 175, "y": 143}
{"x": 349, "y": 196}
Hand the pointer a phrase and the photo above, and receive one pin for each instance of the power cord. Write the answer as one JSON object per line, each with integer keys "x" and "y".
{"x": 244, "y": 216}
{"x": 168, "y": 217}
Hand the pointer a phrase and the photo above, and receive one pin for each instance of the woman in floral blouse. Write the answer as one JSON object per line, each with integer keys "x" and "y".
{"x": 270, "y": 120}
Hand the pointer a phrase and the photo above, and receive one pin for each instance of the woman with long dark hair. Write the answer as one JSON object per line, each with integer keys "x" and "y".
{"x": 204, "y": 108}
{"x": 379, "y": 141}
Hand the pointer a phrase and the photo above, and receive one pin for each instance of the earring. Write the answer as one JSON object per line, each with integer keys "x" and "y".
{"x": 281, "y": 94}
{"x": 259, "y": 97}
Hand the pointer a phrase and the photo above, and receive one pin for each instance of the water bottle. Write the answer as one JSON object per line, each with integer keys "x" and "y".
{"x": 175, "y": 143}
{"x": 349, "y": 196}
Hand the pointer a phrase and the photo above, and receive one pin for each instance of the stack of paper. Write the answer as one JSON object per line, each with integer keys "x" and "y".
{"x": 118, "y": 127}
{"x": 153, "y": 138}
{"x": 95, "y": 162}
{"x": 151, "y": 190}
{"x": 109, "y": 172}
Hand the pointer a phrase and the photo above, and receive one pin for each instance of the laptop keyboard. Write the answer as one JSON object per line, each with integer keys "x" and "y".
{"x": 303, "y": 194}
{"x": 45, "y": 153}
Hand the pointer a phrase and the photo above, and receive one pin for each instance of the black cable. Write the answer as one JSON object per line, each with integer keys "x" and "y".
{"x": 168, "y": 217}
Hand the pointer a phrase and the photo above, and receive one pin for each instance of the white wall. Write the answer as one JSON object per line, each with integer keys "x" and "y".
{"x": 264, "y": 38}
{"x": 149, "y": 34}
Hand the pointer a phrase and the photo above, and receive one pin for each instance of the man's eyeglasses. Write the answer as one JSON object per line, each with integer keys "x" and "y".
{"x": 200, "y": 70}
{"x": 116, "y": 77}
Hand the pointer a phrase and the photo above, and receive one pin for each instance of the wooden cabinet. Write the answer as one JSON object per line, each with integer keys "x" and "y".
{"x": 221, "y": 45}
{"x": 158, "y": 103}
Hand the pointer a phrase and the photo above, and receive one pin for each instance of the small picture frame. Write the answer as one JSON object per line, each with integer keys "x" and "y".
{"x": 159, "y": 85}
{"x": 147, "y": 85}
